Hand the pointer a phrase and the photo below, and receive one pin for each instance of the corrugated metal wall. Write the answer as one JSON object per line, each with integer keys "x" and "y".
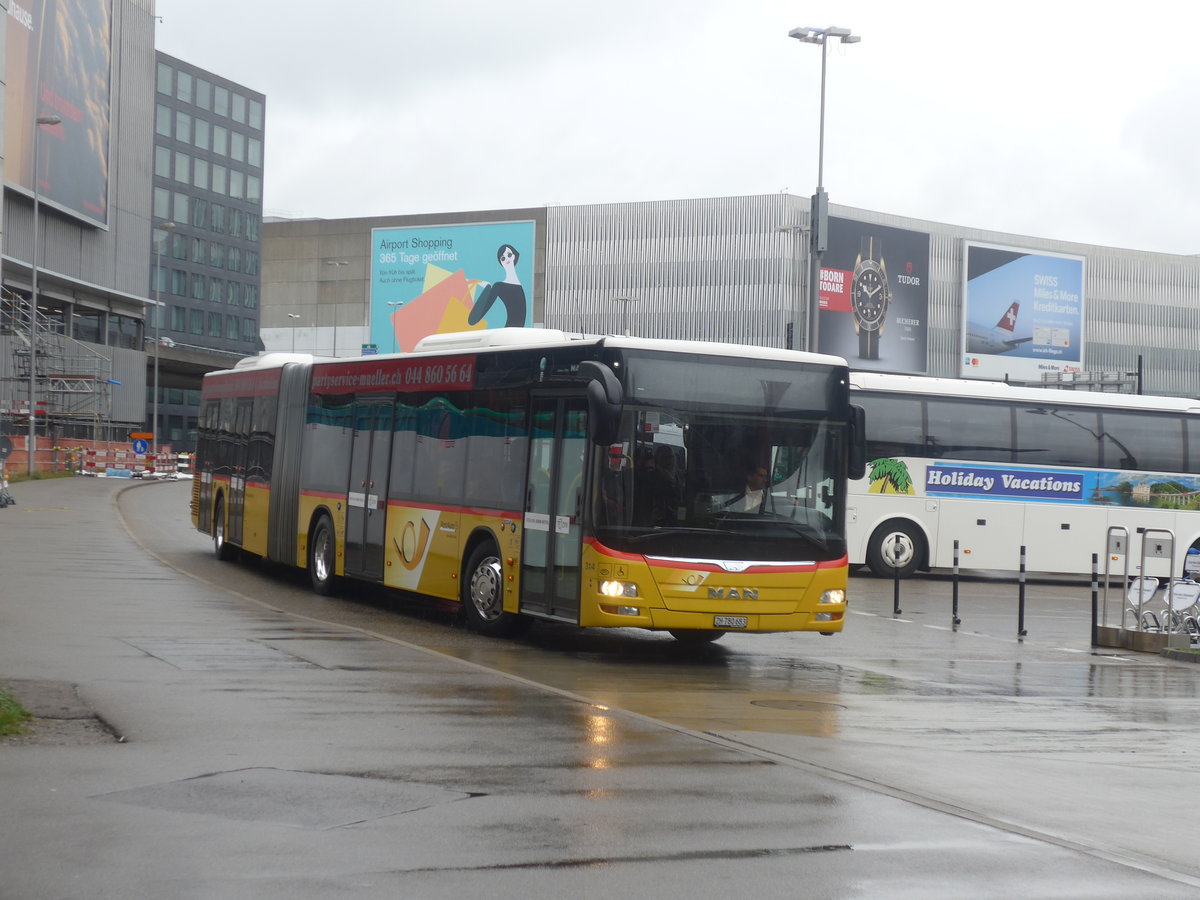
{"x": 721, "y": 269}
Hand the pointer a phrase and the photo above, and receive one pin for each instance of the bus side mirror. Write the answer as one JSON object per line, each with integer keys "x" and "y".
{"x": 857, "y": 464}
{"x": 604, "y": 402}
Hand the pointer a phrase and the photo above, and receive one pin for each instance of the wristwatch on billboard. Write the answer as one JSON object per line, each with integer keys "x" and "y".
{"x": 870, "y": 297}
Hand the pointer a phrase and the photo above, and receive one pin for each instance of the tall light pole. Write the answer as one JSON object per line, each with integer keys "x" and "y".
{"x": 819, "y": 216}
{"x": 293, "y": 316}
{"x": 391, "y": 324}
{"x": 337, "y": 264}
{"x": 166, "y": 228}
{"x": 625, "y": 315}
{"x": 31, "y": 442}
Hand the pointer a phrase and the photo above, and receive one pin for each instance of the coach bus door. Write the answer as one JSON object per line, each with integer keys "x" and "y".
{"x": 240, "y": 451}
{"x": 554, "y": 507}
{"x": 366, "y": 498}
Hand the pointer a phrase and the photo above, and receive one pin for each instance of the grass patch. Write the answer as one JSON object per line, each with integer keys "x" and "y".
{"x": 13, "y": 715}
{"x": 18, "y": 477}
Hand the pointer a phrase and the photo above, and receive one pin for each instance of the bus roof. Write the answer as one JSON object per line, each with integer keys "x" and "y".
{"x": 920, "y": 385}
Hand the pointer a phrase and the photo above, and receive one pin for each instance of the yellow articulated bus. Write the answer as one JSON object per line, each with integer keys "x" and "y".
{"x": 678, "y": 486}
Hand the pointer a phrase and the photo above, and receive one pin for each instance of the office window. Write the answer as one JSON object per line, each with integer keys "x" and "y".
{"x": 220, "y": 140}
{"x": 183, "y": 87}
{"x": 199, "y": 250}
{"x": 179, "y": 246}
{"x": 178, "y": 283}
{"x": 252, "y": 226}
{"x": 162, "y": 162}
{"x": 196, "y": 321}
{"x": 164, "y": 79}
{"x": 221, "y": 101}
{"x": 251, "y": 263}
{"x": 233, "y": 260}
{"x": 218, "y": 218}
{"x": 218, "y": 180}
{"x": 182, "y": 167}
{"x": 253, "y": 188}
{"x": 199, "y": 288}
{"x": 237, "y": 146}
{"x": 233, "y": 293}
{"x": 200, "y": 173}
{"x": 216, "y": 290}
{"x": 237, "y": 222}
{"x": 256, "y": 114}
{"x": 231, "y": 327}
{"x": 183, "y": 127}
{"x": 254, "y": 152}
{"x": 203, "y": 94}
{"x": 216, "y": 255}
{"x": 214, "y": 324}
{"x": 181, "y": 208}
{"x": 236, "y": 184}
{"x": 250, "y": 296}
{"x": 200, "y": 211}
{"x": 178, "y": 318}
{"x": 249, "y": 330}
{"x": 239, "y": 108}
{"x": 162, "y": 120}
{"x": 200, "y": 133}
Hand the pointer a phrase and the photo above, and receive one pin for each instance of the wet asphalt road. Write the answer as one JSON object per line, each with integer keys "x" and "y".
{"x": 900, "y": 758}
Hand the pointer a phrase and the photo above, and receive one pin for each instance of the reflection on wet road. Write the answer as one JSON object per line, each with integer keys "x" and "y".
{"x": 1091, "y": 749}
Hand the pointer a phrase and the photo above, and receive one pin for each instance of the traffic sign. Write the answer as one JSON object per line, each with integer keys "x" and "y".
{"x": 141, "y": 446}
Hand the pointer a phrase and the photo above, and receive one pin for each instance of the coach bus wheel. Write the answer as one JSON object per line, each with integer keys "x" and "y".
{"x": 220, "y": 546}
{"x": 894, "y": 545}
{"x": 696, "y": 635}
{"x": 483, "y": 594}
{"x": 321, "y": 566}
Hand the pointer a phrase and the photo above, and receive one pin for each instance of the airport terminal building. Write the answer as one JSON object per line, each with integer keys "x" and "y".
{"x": 895, "y": 294}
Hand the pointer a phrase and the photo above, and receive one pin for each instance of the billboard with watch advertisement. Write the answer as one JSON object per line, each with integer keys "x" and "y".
{"x": 1022, "y": 312}
{"x": 437, "y": 279}
{"x": 58, "y": 59}
{"x": 874, "y": 296}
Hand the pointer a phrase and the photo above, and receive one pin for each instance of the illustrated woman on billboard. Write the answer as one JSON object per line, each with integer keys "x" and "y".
{"x": 509, "y": 291}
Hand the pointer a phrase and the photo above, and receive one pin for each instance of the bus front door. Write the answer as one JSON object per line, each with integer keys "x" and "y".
{"x": 366, "y": 497}
{"x": 554, "y": 510}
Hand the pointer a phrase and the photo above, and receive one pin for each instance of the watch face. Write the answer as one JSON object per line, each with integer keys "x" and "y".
{"x": 870, "y": 297}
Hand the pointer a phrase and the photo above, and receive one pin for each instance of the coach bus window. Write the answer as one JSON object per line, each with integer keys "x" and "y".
{"x": 894, "y": 425}
{"x": 1148, "y": 441}
{"x": 969, "y": 429}
{"x": 1057, "y": 436}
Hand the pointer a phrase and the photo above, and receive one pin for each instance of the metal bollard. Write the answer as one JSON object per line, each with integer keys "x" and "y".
{"x": 1021, "y": 632}
{"x": 954, "y": 619}
{"x": 1095, "y": 600}
{"x": 897, "y": 550}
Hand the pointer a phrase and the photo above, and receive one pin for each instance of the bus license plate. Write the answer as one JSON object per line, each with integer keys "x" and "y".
{"x": 729, "y": 621}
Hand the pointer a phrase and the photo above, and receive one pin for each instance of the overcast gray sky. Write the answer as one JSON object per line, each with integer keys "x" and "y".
{"x": 1059, "y": 119}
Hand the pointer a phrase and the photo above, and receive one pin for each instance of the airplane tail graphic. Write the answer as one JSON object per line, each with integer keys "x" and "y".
{"x": 1008, "y": 321}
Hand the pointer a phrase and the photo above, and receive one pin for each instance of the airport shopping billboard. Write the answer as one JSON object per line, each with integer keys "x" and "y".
{"x": 874, "y": 296}
{"x": 437, "y": 279}
{"x": 1022, "y": 313}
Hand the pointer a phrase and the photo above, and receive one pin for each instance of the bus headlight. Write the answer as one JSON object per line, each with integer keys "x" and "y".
{"x": 618, "y": 589}
{"x": 837, "y": 595}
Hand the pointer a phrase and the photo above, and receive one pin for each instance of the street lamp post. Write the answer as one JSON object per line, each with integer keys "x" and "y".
{"x": 31, "y": 441}
{"x": 293, "y": 316}
{"x": 337, "y": 264}
{"x": 625, "y": 315}
{"x": 166, "y": 228}
{"x": 819, "y": 215}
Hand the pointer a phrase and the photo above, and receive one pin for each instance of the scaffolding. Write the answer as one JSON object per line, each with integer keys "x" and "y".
{"x": 72, "y": 382}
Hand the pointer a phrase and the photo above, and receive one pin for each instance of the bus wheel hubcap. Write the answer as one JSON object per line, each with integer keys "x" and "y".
{"x": 485, "y": 589}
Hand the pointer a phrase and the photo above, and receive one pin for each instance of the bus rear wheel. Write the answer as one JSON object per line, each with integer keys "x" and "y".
{"x": 321, "y": 565}
{"x": 895, "y": 545}
{"x": 483, "y": 594}
{"x": 221, "y": 548}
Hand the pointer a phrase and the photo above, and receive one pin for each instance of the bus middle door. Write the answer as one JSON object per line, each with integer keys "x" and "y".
{"x": 366, "y": 497}
{"x": 237, "y": 471}
{"x": 554, "y": 507}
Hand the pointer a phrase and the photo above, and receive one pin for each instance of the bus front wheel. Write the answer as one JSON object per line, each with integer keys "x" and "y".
{"x": 895, "y": 545}
{"x": 483, "y": 594}
{"x": 321, "y": 565}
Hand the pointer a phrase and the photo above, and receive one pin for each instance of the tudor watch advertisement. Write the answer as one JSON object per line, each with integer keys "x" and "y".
{"x": 874, "y": 297}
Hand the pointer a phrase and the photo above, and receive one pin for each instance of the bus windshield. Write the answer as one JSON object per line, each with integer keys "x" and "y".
{"x": 724, "y": 461}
